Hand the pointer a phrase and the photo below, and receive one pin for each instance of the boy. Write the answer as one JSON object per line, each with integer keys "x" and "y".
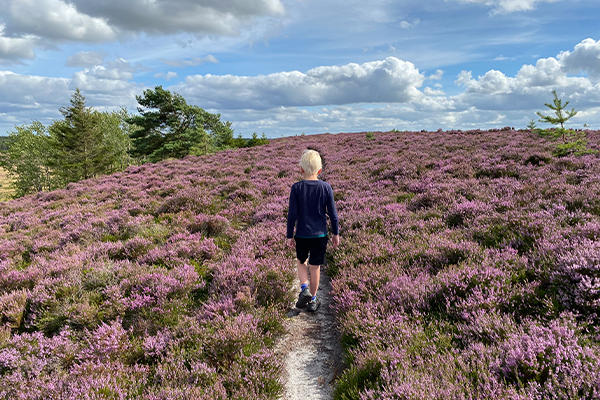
{"x": 311, "y": 200}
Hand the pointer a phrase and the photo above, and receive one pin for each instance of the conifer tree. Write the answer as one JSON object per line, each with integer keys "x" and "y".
{"x": 81, "y": 151}
{"x": 169, "y": 127}
{"x": 572, "y": 142}
{"x": 561, "y": 117}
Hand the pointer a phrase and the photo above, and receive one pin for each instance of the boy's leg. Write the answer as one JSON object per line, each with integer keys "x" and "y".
{"x": 315, "y": 275}
{"x": 317, "y": 257}
{"x": 302, "y": 269}
{"x": 304, "y": 296}
{"x": 302, "y": 251}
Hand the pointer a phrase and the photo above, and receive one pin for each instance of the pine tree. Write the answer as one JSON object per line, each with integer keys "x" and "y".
{"x": 169, "y": 127}
{"x": 562, "y": 115}
{"x": 573, "y": 142}
{"x": 81, "y": 151}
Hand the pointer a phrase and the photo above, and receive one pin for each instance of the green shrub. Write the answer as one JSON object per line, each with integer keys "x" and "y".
{"x": 356, "y": 380}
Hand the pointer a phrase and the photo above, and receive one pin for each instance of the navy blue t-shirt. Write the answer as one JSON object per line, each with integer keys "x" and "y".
{"x": 310, "y": 203}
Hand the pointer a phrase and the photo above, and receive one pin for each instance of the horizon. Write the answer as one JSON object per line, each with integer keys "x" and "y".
{"x": 284, "y": 67}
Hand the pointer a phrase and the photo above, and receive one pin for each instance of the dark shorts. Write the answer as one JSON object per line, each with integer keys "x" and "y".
{"x": 315, "y": 247}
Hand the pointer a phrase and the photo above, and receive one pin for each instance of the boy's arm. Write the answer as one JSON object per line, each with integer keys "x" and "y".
{"x": 333, "y": 217}
{"x": 332, "y": 212}
{"x": 292, "y": 214}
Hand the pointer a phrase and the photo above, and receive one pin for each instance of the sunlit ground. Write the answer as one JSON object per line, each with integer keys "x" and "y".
{"x": 6, "y": 190}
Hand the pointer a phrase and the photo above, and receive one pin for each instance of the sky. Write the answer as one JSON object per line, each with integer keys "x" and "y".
{"x": 287, "y": 67}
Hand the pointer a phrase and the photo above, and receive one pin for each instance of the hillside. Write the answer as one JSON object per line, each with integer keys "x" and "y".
{"x": 468, "y": 269}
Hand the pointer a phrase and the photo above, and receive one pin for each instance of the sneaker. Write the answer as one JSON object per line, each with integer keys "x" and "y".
{"x": 303, "y": 298}
{"x": 313, "y": 305}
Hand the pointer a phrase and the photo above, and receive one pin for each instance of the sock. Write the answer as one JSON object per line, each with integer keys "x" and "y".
{"x": 303, "y": 286}
{"x": 314, "y": 298}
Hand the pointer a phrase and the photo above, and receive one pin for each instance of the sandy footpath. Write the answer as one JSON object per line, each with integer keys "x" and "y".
{"x": 311, "y": 349}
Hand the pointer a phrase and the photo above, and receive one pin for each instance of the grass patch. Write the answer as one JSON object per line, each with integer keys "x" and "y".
{"x": 6, "y": 189}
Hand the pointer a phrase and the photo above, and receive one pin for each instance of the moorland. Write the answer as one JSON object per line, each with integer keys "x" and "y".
{"x": 468, "y": 269}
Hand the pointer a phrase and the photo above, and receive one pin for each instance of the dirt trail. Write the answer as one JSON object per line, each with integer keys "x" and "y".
{"x": 311, "y": 349}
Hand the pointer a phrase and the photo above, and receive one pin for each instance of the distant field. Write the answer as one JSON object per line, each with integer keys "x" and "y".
{"x": 5, "y": 189}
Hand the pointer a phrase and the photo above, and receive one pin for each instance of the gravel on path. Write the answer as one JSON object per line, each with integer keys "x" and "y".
{"x": 311, "y": 349}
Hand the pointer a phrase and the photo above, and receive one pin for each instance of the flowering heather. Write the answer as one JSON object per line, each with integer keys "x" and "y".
{"x": 166, "y": 281}
{"x": 468, "y": 269}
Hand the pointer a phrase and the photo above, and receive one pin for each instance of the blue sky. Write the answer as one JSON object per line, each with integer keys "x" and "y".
{"x": 284, "y": 67}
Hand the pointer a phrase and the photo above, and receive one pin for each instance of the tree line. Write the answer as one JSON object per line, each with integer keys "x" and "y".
{"x": 87, "y": 143}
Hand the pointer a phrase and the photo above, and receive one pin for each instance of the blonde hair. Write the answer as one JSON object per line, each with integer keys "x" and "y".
{"x": 311, "y": 162}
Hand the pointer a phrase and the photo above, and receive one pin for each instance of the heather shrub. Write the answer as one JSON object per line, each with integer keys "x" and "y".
{"x": 486, "y": 326}
{"x": 209, "y": 225}
{"x": 570, "y": 273}
{"x": 492, "y": 245}
{"x": 467, "y": 270}
{"x": 460, "y": 214}
{"x": 185, "y": 200}
{"x": 501, "y": 232}
{"x": 494, "y": 170}
{"x": 550, "y": 361}
{"x": 12, "y": 308}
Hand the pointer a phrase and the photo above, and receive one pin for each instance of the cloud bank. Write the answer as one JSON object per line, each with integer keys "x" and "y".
{"x": 532, "y": 83}
{"x": 96, "y": 21}
{"x": 25, "y": 24}
{"x": 383, "y": 94}
{"x": 389, "y": 80}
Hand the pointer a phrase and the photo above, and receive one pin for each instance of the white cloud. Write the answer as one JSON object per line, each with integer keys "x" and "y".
{"x": 428, "y": 113}
{"x": 534, "y": 81}
{"x": 124, "y": 65}
{"x": 433, "y": 92}
{"x": 378, "y": 95}
{"x": 585, "y": 57}
{"x": 167, "y": 76}
{"x": 113, "y": 74}
{"x": 530, "y": 88}
{"x": 26, "y": 97}
{"x": 191, "y": 62}
{"x": 111, "y": 83}
{"x": 15, "y": 48}
{"x": 223, "y": 17}
{"x": 51, "y": 22}
{"x": 547, "y": 72}
{"x": 26, "y": 92}
{"x": 409, "y": 25}
{"x": 493, "y": 82}
{"x": 508, "y": 6}
{"x": 437, "y": 76}
{"x": 390, "y": 80}
{"x": 502, "y": 58}
{"x": 55, "y": 20}
{"x": 86, "y": 59}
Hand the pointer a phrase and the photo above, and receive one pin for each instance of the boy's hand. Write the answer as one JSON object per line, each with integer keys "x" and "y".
{"x": 290, "y": 242}
{"x": 335, "y": 240}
